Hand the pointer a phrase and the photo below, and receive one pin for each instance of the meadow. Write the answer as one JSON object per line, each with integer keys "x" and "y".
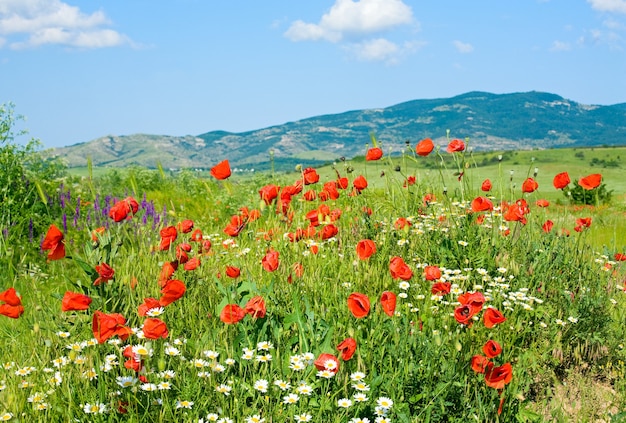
{"x": 379, "y": 289}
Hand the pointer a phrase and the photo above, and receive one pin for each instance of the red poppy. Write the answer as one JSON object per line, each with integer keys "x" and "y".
{"x": 561, "y": 180}
{"x": 455, "y": 146}
{"x": 365, "y": 248}
{"x": 12, "y": 304}
{"x": 529, "y": 185}
{"x": 401, "y": 223}
{"x": 514, "y": 213}
{"x": 171, "y": 291}
{"x": 95, "y": 234}
{"x": 486, "y": 185}
{"x": 327, "y": 361}
{"x": 347, "y": 347}
{"x": 399, "y": 269}
{"x": 105, "y": 273}
{"x": 105, "y": 326}
{"x": 268, "y": 193}
{"x": 474, "y": 300}
{"x": 591, "y": 181}
{"x": 54, "y": 242}
{"x": 441, "y": 288}
{"x": 310, "y": 176}
{"x": 328, "y": 231}
{"x": 270, "y": 262}
{"x": 432, "y": 273}
{"x": 233, "y": 272}
{"x": 424, "y": 147}
{"x": 232, "y": 313}
{"x": 360, "y": 183}
{"x": 168, "y": 269}
{"x": 154, "y": 328}
{"x": 123, "y": 208}
{"x": 168, "y": 235}
{"x": 147, "y": 305}
{"x": 492, "y": 317}
{"x": 374, "y": 154}
{"x": 255, "y": 307}
{"x": 221, "y": 170}
{"x": 498, "y": 377}
{"x": 547, "y": 226}
{"x": 492, "y": 349}
{"x": 388, "y": 302}
{"x": 463, "y": 314}
{"x": 359, "y": 304}
{"x": 185, "y": 226}
{"x": 479, "y": 363}
{"x": 410, "y": 180}
{"x": 542, "y": 203}
{"x": 310, "y": 195}
{"x": 192, "y": 264}
{"x": 619, "y": 257}
{"x": 75, "y": 301}
{"x": 481, "y": 204}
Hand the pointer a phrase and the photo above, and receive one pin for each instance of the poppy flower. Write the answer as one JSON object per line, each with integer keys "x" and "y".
{"x": 529, "y": 185}
{"x": 327, "y": 361}
{"x": 401, "y": 223}
{"x": 561, "y": 180}
{"x": 147, "y": 305}
{"x": 95, "y": 234}
{"x": 619, "y": 257}
{"x": 192, "y": 264}
{"x": 486, "y": 185}
{"x": 365, "y": 248}
{"x": 347, "y": 347}
{"x": 268, "y": 193}
{"x": 171, "y": 291}
{"x": 310, "y": 176}
{"x": 167, "y": 270}
{"x": 154, "y": 328}
{"x": 591, "y": 181}
{"x": 481, "y": 204}
{"x": 441, "y": 288}
{"x": 270, "y": 261}
{"x": 582, "y": 223}
{"x": 514, "y": 213}
{"x": 455, "y": 146}
{"x": 360, "y": 183}
{"x": 105, "y": 326}
{"x": 463, "y": 314}
{"x": 54, "y": 242}
{"x": 359, "y": 304}
{"x": 232, "y": 313}
{"x": 547, "y": 226}
{"x": 123, "y": 208}
{"x": 388, "y": 302}
{"x": 105, "y": 273}
{"x": 542, "y": 203}
{"x": 432, "y": 273}
{"x": 492, "y": 317}
{"x": 12, "y": 304}
{"x": 479, "y": 363}
{"x": 492, "y": 349}
{"x": 168, "y": 235}
{"x": 75, "y": 301}
{"x": 221, "y": 170}
{"x": 373, "y": 154}
{"x": 233, "y": 272}
{"x": 310, "y": 195}
{"x": 255, "y": 307}
{"x": 399, "y": 269}
{"x": 424, "y": 147}
{"x": 499, "y": 377}
{"x": 474, "y": 300}
{"x": 410, "y": 180}
{"x": 185, "y": 226}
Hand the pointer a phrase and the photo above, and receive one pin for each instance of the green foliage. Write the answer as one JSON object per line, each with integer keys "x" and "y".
{"x": 594, "y": 197}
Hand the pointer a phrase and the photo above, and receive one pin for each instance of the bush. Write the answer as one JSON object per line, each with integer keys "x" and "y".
{"x": 596, "y": 196}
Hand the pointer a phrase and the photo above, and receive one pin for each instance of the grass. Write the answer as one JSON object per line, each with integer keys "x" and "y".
{"x": 300, "y": 264}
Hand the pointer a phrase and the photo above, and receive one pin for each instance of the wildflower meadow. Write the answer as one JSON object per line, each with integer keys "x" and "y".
{"x": 369, "y": 291}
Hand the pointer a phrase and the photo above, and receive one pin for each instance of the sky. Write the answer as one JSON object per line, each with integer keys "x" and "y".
{"x": 81, "y": 69}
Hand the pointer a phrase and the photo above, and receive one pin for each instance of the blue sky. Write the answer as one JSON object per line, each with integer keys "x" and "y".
{"x": 81, "y": 69}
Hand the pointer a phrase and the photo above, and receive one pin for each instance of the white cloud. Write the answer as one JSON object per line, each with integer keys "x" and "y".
{"x": 348, "y": 18}
{"x": 560, "y": 46}
{"x": 609, "y": 5}
{"x": 463, "y": 47}
{"x": 382, "y": 50}
{"x": 42, "y": 22}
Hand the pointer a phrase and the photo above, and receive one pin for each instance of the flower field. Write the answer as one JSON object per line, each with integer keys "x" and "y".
{"x": 297, "y": 298}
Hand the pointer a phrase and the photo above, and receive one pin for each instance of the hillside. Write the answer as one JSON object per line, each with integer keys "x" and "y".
{"x": 492, "y": 122}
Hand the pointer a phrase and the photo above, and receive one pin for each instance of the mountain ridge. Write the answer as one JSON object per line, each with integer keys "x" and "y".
{"x": 492, "y": 122}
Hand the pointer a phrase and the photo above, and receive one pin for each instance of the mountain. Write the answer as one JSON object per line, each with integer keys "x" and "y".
{"x": 491, "y": 121}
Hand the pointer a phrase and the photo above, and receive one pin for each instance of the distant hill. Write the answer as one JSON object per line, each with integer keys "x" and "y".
{"x": 515, "y": 121}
